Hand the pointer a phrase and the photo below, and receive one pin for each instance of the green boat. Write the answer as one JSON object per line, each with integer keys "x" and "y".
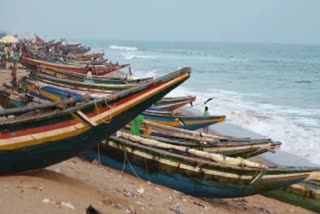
{"x": 305, "y": 194}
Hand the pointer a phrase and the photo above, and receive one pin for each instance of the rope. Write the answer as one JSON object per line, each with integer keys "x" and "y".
{"x": 145, "y": 163}
{"x": 98, "y": 107}
{"x": 98, "y": 151}
{"x": 109, "y": 106}
{"x": 131, "y": 167}
{"x": 109, "y": 121}
{"x": 124, "y": 160}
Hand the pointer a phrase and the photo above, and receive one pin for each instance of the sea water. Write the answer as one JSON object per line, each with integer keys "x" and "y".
{"x": 270, "y": 89}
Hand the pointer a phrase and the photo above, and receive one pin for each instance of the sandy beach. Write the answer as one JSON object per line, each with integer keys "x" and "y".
{"x": 73, "y": 185}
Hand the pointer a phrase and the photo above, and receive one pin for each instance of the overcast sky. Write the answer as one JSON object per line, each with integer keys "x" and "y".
{"x": 276, "y": 21}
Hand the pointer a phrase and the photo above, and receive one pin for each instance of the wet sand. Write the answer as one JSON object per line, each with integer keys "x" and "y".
{"x": 73, "y": 185}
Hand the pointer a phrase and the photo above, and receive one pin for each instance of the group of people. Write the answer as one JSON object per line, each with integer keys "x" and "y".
{"x": 8, "y": 51}
{"x": 11, "y": 52}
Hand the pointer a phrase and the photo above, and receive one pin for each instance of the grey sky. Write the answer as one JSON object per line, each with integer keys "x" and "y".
{"x": 279, "y": 21}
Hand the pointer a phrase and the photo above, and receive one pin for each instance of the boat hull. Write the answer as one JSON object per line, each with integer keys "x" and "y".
{"x": 172, "y": 103}
{"x": 305, "y": 194}
{"x": 39, "y": 149}
{"x": 189, "y": 123}
{"x": 33, "y": 64}
{"x": 82, "y": 77}
{"x": 186, "y": 177}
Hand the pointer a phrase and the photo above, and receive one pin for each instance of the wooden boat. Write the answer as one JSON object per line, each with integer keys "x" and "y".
{"x": 38, "y": 136}
{"x": 180, "y": 121}
{"x": 96, "y": 62}
{"x": 82, "y": 86}
{"x": 4, "y": 99}
{"x": 57, "y": 92}
{"x": 48, "y": 92}
{"x": 85, "y": 57}
{"x": 173, "y": 103}
{"x": 14, "y": 99}
{"x": 79, "y": 50}
{"x": 63, "y": 59}
{"x": 230, "y": 146}
{"x": 74, "y": 45}
{"x": 305, "y": 194}
{"x": 192, "y": 171}
{"x": 97, "y": 70}
{"x": 95, "y": 79}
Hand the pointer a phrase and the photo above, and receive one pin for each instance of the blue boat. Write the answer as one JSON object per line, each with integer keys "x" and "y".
{"x": 169, "y": 118}
{"x": 48, "y": 92}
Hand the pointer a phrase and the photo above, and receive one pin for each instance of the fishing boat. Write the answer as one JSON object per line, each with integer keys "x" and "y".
{"x": 48, "y": 92}
{"x": 58, "y": 92}
{"x": 97, "y": 70}
{"x": 173, "y": 103}
{"x": 192, "y": 171}
{"x": 82, "y": 86}
{"x": 37, "y": 136}
{"x": 63, "y": 59}
{"x": 305, "y": 194}
{"x": 230, "y": 146}
{"x": 173, "y": 119}
{"x": 4, "y": 99}
{"x": 95, "y": 80}
{"x": 12, "y": 99}
{"x": 86, "y": 57}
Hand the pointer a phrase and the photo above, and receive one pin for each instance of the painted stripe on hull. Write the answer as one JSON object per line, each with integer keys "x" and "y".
{"x": 69, "y": 129}
{"x": 197, "y": 186}
{"x": 45, "y": 154}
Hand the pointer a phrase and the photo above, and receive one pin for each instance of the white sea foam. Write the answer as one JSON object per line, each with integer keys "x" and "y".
{"x": 131, "y": 55}
{"x": 297, "y": 129}
{"x": 145, "y": 73}
{"x": 116, "y": 47}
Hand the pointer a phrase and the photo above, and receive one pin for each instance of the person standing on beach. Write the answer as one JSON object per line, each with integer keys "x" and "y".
{"x": 130, "y": 77}
{"x": 7, "y": 54}
{"x": 206, "y": 114}
{"x": 89, "y": 74}
{"x": 14, "y": 73}
{"x": 136, "y": 125}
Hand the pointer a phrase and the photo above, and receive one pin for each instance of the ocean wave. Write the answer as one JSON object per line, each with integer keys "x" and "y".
{"x": 145, "y": 73}
{"x": 304, "y": 81}
{"x": 297, "y": 129}
{"x": 116, "y": 47}
{"x": 129, "y": 55}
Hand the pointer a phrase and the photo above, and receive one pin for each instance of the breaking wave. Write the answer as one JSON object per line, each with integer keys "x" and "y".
{"x": 297, "y": 129}
{"x": 116, "y": 47}
{"x": 130, "y": 55}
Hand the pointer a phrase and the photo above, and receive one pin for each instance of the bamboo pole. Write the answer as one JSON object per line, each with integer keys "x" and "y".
{"x": 211, "y": 156}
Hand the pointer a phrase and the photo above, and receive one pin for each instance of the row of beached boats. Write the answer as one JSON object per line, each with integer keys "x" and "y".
{"x": 58, "y": 113}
